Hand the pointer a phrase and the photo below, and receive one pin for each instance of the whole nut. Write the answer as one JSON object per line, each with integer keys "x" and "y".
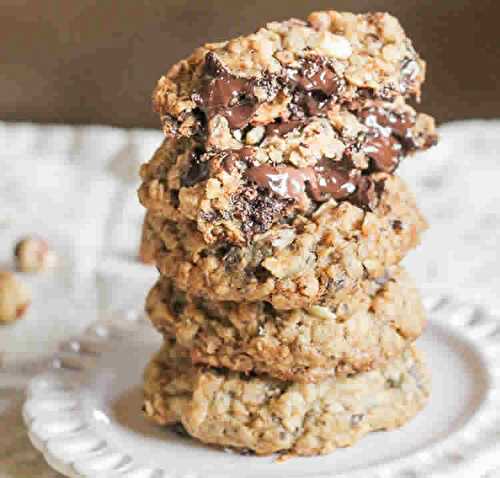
{"x": 14, "y": 298}
{"x": 33, "y": 255}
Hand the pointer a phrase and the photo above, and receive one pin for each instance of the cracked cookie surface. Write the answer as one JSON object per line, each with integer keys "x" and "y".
{"x": 266, "y": 415}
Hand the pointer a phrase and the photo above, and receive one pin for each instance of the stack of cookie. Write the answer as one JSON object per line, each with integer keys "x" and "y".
{"x": 278, "y": 224}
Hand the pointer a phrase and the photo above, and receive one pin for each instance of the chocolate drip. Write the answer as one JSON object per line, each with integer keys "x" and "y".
{"x": 389, "y": 137}
{"x": 225, "y": 94}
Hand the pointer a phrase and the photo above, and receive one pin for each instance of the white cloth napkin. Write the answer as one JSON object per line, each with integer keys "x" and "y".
{"x": 76, "y": 187}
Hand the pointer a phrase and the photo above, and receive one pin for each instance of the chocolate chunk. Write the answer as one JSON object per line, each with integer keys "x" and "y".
{"x": 326, "y": 179}
{"x": 244, "y": 154}
{"x": 280, "y": 128}
{"x": 261, "y": 273}
{"x": 384, "y": 153}
{"x": 316, "y": 85}
{"x": 312, "y": 103}
{"x": 332, "y": 179}
{"x": 225, "y": 94}
{"x": 232, "y": 158}
{"x": 198, "y": 170}
{"x": 368, "y": 192}
{"x": 397, "y": 225}
{"x": 389, "y": 137}
{"x": 269, "y": 310}
{"x": 212, "y": 66}
{"x": 284, "y": 181}
{"x": 315, "y": 74}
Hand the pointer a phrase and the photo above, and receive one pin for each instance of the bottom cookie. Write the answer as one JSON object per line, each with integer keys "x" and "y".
{"x": 266, "y": 415}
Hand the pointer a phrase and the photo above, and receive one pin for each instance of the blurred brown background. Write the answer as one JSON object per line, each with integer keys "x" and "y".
{"x": 82, "y": 61}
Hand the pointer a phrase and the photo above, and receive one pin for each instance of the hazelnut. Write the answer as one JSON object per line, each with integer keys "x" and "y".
{"x": 33, "y": 255}
{"x": 14, "y": 298}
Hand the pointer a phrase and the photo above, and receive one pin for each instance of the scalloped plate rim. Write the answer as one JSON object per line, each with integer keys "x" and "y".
{"x": 477, "y": 336}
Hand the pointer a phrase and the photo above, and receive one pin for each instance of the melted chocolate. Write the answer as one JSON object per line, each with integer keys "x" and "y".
{"x": 316, "y": 75}
{"x": 389, "y": 137}
{"x": 332, "y": 179}
{"x": 198, "y": 170}
{"x": 313, "y": 86}
{"x": 316, "y": 85}
{"x": 233, "y": 156}
{"x": 244, "y": 154}
{"x": 284, "y": 181}
{"x": 326, "y": 179}
{"x": 368, "y": 193}
{"x": 282, "y": 128}
{"x": 225, "y": 94}
{"x": 384, "y": 153}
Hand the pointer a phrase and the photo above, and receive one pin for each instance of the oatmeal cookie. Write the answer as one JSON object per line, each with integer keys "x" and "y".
{"x": 308, "y": 262}
{"x": 306, "y": 345}
{"x": 266, "y": 415}
{"x": 288, "y": 170}
{"x": 286, "y": 71}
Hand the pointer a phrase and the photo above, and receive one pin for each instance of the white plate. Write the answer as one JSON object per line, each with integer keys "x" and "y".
{"x": 84, "y": 414}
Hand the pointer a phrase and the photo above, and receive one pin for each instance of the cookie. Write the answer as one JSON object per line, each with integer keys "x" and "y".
{"x": 288, "y": 170}
{"x": 286, "y": 71}
{"x": 266, "y": 415}
{"x": 310, "y": 261}
{"x": 307, "y": 345}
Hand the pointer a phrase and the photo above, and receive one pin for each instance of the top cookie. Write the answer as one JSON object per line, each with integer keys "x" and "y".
{"x": 286, "y": 71}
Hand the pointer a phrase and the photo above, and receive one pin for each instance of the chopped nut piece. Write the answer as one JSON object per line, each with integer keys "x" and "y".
{"x": 33, "y": 255}
{"x": 14, "y": 298}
